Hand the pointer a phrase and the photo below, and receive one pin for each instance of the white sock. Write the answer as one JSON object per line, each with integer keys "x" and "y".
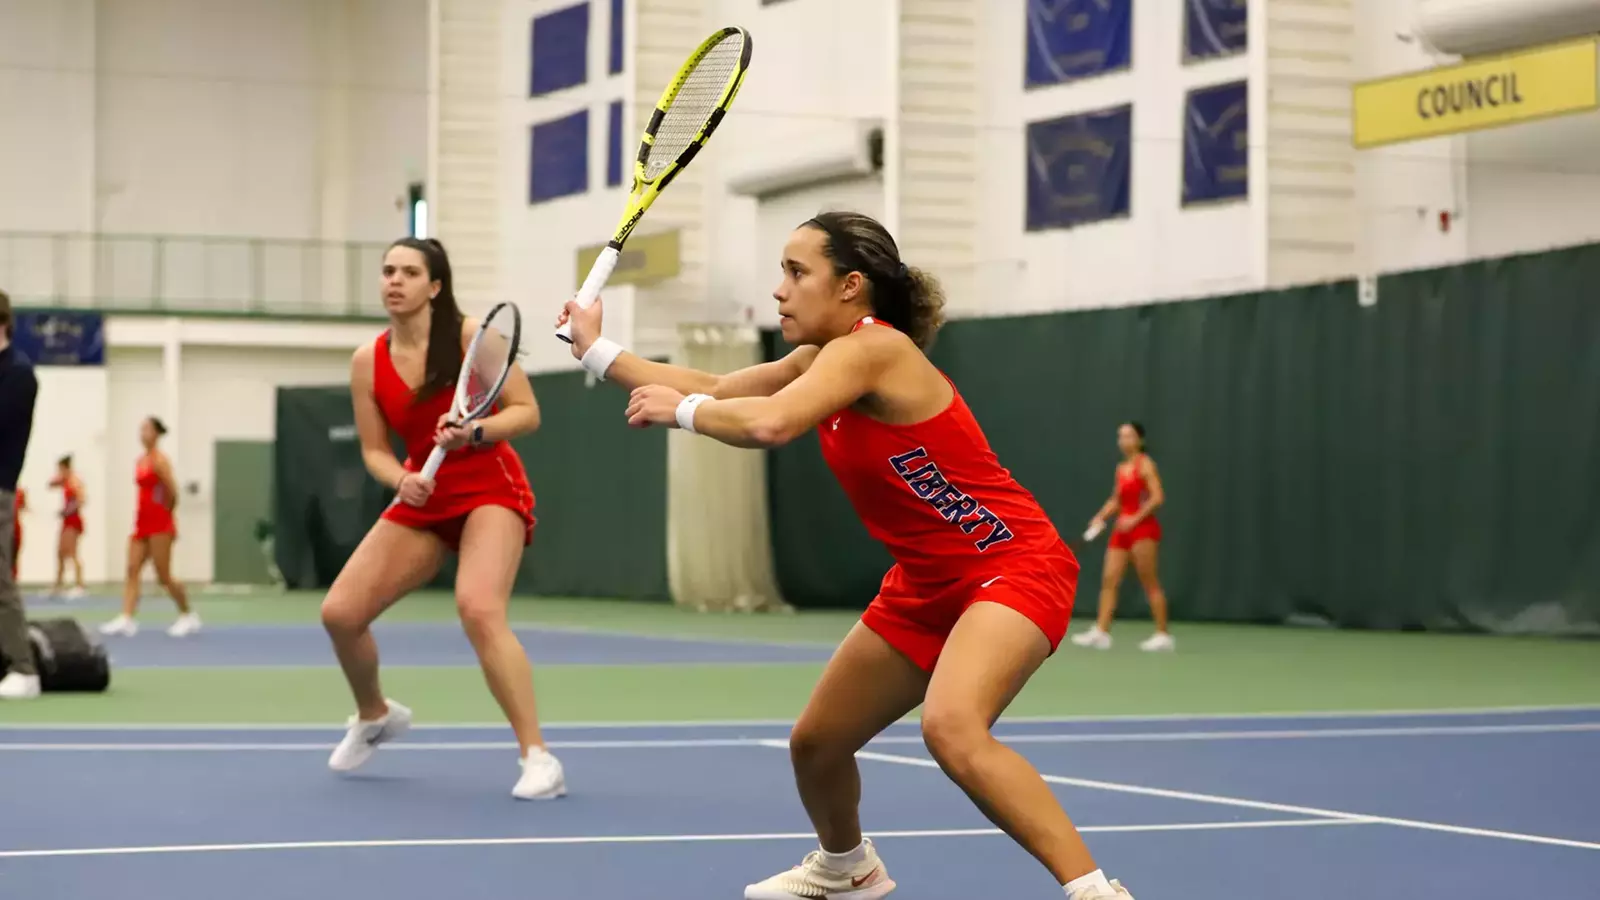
{"x": 844, "y": 862}
{"x": 1094, "y": 884}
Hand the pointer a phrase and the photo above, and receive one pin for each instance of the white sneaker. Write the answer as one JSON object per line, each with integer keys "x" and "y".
{"x": 122, "y": 625}
{"x": 75, "y": 594}
{"x": 17, "y": 686}
{"x": 363, "y": 737}
{"x": 813, "y": 880}
{"x": 187, "y": 624}
{"x": 542, "y": 777}
{"x": 1093, "y": 637}
{"x": 1158, "y": 641}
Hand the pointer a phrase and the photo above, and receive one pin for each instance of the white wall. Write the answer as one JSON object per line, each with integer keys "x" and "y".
{"x": 211, "y": 116}
{"x": 222, "y": 388}
{"x": 1401, "y": 189}
{"x": 819, "y": 68}
{"x": 1161, "y": 251}
{"x": 47, "y": 57}
{"x": 1522, "y": 188}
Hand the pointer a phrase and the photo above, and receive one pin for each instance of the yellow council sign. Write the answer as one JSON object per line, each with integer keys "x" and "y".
{"x": 1481, "y": 93}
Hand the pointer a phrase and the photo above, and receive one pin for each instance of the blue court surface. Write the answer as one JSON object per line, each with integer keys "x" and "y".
{"x": 435, "y": 644}
{"x": 1459, "y": 806}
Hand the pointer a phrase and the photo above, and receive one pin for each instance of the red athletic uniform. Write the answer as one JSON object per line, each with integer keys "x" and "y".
{"x": 470, "y": 477}
{"x": 1131, "y": 494}
{"x": 19, "y": 500}
{"x": 960, "y": 528}
{"x": 154, "y": 514}
{"x": 70, "y": 515}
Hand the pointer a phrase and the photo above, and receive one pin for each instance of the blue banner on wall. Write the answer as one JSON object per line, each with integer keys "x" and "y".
{"x": 1079, "y": 168}
{"x": 61, "y": 338}
{"x": 1216, "y": 143}
{"x": 558, "y": 56}
{"x": 1214, "y": 28}
{"x": 1072, "y": 39}
{"x": 558, "y": 163}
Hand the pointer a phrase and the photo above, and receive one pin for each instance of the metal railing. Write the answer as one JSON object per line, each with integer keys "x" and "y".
{"x": 190, "y": 274}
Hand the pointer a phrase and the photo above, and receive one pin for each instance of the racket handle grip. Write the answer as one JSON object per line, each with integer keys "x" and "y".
{"x": 429, "y": 469}
{"x": 599, "y": 273}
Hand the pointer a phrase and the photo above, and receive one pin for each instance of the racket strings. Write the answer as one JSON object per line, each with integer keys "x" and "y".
{"x": 693, "y": 104}
{"x": 495, "y": 352}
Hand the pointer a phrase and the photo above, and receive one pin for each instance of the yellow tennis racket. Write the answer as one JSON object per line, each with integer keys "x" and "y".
{"x": 689, "y": 110}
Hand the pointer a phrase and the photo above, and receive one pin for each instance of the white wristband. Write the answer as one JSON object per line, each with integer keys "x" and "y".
{"x": 600, "y": 355}
{"x": 686, "y": 410}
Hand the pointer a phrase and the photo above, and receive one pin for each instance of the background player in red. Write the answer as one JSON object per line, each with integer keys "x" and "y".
{"x": 480, "y": 506}
{"x": 19, "y": 506}
{"x": 154, "y": 532}
{"x": 982, "y": 588}
{"x": 72, "y": 497}
{"x": 1135, "y": 496}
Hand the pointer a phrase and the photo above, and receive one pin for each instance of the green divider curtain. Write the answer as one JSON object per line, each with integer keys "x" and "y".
{"x": 600, "y": 490}
{"x": 1427, "y": 462}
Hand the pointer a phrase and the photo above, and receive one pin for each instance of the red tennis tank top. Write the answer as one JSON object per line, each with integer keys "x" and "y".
{"x": 934, "y": 493}
{"x": 1131, "y": 489}
{"x": 415, "y": 421}
{"x": 153, "y": 514}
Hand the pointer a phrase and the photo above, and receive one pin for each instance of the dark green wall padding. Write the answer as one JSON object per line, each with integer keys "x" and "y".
{"x": 600, "y": 491}
{"x": 1432, "y": 461}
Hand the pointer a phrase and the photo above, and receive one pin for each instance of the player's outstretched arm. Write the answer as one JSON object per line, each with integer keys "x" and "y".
{"x": 842, "y": 372}
{"x": 608, "y": 360}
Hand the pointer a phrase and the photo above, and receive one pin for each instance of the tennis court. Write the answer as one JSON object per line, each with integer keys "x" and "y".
{"x": 1193, "y": 774}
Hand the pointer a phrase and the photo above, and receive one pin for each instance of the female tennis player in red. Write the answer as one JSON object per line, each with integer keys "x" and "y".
{"x": 72, "y": 497}
{"x": 479, "y": 506}
{"x": 1135, "y": 496}
{"x": 154, "y": 531}
{"x": 982, "y": 586}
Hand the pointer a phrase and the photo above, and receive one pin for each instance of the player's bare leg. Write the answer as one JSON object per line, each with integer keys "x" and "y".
{"x": 390, "y": 562}
{"x": 988, "y": 658}
{"x": 126, "y": 623}
{"x": 867, "y": 686}
{"x": 491, "y": 551}
{"x": 1145, "y": 554}
{"x": 1099, "y": 636}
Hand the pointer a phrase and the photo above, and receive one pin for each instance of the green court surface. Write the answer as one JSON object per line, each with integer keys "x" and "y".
{"x": 1217, "y": 670}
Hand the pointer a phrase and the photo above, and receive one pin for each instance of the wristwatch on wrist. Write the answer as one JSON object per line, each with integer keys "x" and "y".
{"x": 477, "y": 435}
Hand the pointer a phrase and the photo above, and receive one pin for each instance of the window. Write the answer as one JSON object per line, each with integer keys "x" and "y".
{"x": 614, "y": 145}
{"x": 559, "y": 158}
{"x": 559, "y": 57}
{"x": 418, "y": 225}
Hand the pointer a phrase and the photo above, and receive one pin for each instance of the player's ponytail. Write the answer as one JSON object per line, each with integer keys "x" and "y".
{"x": 443, "y": 362}
{"x": 906, "y": 297}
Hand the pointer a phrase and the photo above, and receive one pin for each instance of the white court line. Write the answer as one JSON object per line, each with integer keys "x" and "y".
{"x": 1446, "y": 712}
{"x": 649, "y": 838}
{"x": 691, "y": 743}
{"x": 1217, "y": 799}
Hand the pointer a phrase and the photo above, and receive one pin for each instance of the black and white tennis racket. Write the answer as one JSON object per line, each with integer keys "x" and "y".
{"x": 487, "y": 362}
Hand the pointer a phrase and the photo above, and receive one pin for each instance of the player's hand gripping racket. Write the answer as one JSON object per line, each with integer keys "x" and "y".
{"x": 688, "y": 112}
{"x": 484, "y": 367}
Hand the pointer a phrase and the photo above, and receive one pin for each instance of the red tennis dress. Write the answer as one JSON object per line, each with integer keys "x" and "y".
{"x": 960, "y": 528}
{"x": 1131, "y": 494}
{"x": 491, "y": 475}
{"x": 71, "y": 511}
{"x": 153, "y": 516}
